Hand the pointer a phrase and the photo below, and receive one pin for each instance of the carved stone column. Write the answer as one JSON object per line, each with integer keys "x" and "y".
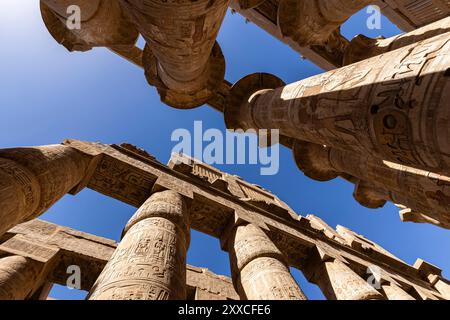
{"x": 102, "y": 24}
{"x": 337, "y": 281}
{"x": 362, "y": 47}
{"x": 258, "y": 268}
{"x": 394, "y": 292}
{"x": 310, "y": 22}
{"x": 393, "y": 107}
{"x": 33, "y": 179}
{"x": 378, "y": 181}
{"x": 150, "y": 261}
{"x": 181, "y": 57}
{"x": 18, "y": 277}
{"x": 433, "y": 275}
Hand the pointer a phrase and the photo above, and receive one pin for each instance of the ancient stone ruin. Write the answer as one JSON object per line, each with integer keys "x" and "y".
{"x": 263, "y": 235}
{"x": 378, "y": 117}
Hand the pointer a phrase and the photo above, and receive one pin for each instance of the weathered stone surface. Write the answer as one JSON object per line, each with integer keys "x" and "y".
{"x": 434, "y": 275}
{"x": 206, "y": 285}
{"x": 103, "y": 24}
{"x": 91, "y": 253}
{"x": 338, "y": 281}
{"x": 407, "y": 15}
{"x": 18, "y": 276}
{"x": 181, "y": 58}
{"x": 376, "y": 107}
{"x": 394, "y": 292}
{"x": 262, "y": 234}
{"x": 33, "y": 179}
{"x": 313, "y": 22}
{"x": 379, "y": 181}
{"x": 362, "y": 47}
{"x": 150, "y": 261}
{"x": 259, "y": 268}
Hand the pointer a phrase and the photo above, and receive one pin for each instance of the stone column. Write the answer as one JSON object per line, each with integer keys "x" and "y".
{"x": 33, "y": 179}
{"x": 433, "y": 275}
{"x": 362, "y": 47}
{"x": 150, "y": 261}
{"x": 393, "y": 107}
{"x": 377, "y": 181}
{"x": 102, "y": 24}
{"x": 312, "y": 22}
{"x": 338, "y": 282}
{"x": 18, "y": 277}
{"x": 258, "y": 268}
{"x": 394, "y": 292}
{"x": 443, "y": 286}
{"x": 181, "y": 57}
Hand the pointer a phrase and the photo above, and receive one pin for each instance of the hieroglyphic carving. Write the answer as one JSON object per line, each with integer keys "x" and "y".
{"x": 378, "y": 106}
{"x": 394, "y": 292}
{"x": 103, "y": 24}
{"x": 33, "y": 179}
{"x": 259, "y": 268}
{"x": 18, "y": 276}
{"x": 209, "y": 286}
{"x": 150, "y": 261}
{"x": 380, "y": 181}
{"x": 362, "y": 47}
{"x": 313, "y": 22}
{"x": 337, "y": 281}
{"x": 433, "y": 275}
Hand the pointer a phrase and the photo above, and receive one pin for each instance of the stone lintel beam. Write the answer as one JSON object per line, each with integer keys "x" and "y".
{"x": 393, "y": 292}
{"x": 92, "y": 253}
{"x": 33, "y": 179}
{"x": 259, "y": 269}
{"x": 312, "y": 22}
{"x": 103, "y": 24}
{"x": 362, "y": 47}
{"x": 150, "y": 261}
{"x": 381, "y": 106}
{"x": 209, "y": 286}
{"x": 181, "y": 57}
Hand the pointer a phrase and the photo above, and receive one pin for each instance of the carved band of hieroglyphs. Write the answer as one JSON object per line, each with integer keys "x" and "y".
{"x": 33, "y": 179}
{"x": 338, "y": 282}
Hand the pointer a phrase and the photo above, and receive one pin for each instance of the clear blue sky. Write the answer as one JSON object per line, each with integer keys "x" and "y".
{"x": 48, "y": 94}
